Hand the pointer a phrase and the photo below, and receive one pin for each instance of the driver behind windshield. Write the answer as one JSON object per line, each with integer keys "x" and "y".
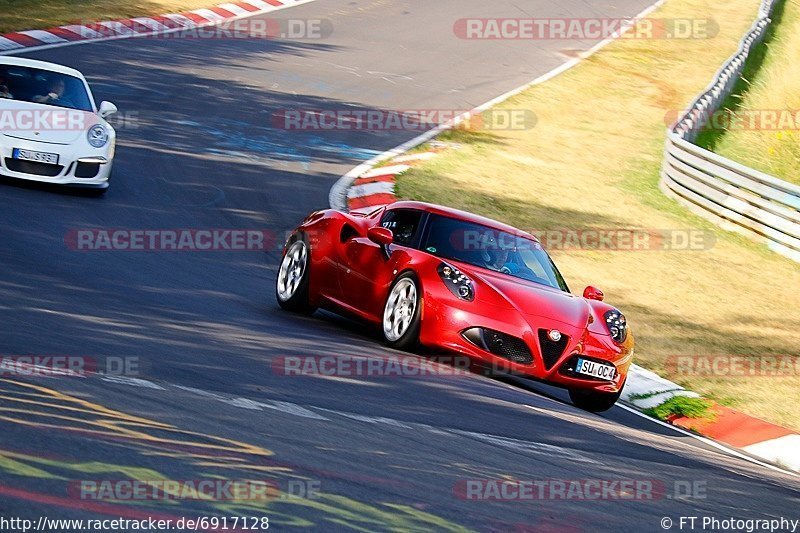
{"x": 499, "y": 259}
{"x": 55, "y": 93}
{"x": 507, "y": 261}
{"x": 4, "y": 92}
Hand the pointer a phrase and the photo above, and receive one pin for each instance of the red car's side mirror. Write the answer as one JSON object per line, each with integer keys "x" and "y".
{"x": 380, "y": 235}
{"x": 593, "y": 293}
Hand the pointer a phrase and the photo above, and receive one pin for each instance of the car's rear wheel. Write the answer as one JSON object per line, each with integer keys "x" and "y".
{"x": 595, "y": 402}
{"x": 401, "y": 314}
{"x": 291, "y": 287}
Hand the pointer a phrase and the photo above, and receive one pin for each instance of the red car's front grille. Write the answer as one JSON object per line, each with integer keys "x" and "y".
{"x": 509, "y": 347}
{"x": 500, "y": 344}
{"x": 551, "y": 350}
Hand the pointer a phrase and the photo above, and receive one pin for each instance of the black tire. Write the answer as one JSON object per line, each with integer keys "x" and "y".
{"x": 594, "y": 402}
{"x": 296, "y": 300}
{"x": 409, "y": 339}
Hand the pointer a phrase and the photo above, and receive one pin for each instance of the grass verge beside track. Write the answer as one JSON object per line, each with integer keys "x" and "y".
{"x": 592, "y": 163}
{"x": 16, "y": 15}
{"x": 770, "y": 93}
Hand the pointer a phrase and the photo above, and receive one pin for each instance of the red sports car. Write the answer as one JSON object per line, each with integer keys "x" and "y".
{"x": 454, "y": 281}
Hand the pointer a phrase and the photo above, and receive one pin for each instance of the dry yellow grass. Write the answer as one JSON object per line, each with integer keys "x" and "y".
{"x": 775, "y": 87}
{"x": 36, "y": 14}
{"x": 592, "y": 162}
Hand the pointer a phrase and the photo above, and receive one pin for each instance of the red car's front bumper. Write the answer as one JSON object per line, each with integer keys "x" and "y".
{"x": 444, "y": 319}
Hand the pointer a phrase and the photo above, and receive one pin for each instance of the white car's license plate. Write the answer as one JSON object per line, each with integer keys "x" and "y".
{"x": 31, "y": 155}
{"x": 598, "y": 370}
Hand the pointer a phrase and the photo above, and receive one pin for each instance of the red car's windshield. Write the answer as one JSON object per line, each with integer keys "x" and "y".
{"x": 482, "y": 246}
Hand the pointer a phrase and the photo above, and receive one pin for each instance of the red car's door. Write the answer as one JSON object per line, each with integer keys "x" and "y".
{"x": 368, "y": 272}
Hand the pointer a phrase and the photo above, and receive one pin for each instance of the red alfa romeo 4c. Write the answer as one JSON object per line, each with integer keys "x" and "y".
{"x": 454, "y": 281}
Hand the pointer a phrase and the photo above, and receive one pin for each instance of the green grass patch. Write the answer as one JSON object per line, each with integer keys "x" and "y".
{"x": 682, "y": 406}
{"x": 762, "y": 116}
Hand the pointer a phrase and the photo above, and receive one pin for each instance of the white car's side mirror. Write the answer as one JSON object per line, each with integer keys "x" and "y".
{"x": 106, "y": 109}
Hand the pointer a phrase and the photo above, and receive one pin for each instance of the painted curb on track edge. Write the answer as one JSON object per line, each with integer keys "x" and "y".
{"x": 71, "y": 34}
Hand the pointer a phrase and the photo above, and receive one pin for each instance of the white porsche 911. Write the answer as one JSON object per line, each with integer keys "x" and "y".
{"x": 50, "y": 128}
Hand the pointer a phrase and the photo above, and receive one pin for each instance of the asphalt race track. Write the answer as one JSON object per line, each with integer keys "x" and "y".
{"x": 200, "y": 152}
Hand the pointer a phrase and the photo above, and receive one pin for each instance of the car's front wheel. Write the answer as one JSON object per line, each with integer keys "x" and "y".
{"x": 291, "y": 287}
{"x": 401, "y": 314}
{"x": 594, "y": 402}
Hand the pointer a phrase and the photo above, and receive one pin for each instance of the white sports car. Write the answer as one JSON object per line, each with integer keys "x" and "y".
{"x": 50, "y": 128}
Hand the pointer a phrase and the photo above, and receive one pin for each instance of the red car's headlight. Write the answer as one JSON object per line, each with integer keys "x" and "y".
{"x": 617, "y": 325}
{"x": 458, "y": 282}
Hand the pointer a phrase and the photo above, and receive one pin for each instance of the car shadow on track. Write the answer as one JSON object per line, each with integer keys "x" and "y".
{"x": 540, "y": 389}
{"x": 52, "y": 188}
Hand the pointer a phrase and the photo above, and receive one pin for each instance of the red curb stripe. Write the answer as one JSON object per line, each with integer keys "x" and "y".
{"x": 66, "y": 34}
{"x": 249, "y": 7}
{"x": 734, "y": 428}
{"x": 24, "y": 40}
{"x": 372, "y": 199}
{"x": 168, "y": 22}
{"x": 141, "y": 27}
{"x": 104, "y": 31}
{"x": 223, "y": 12}
{"x": 134, "y": 26}
{"x": 388, "y": 178}
{"x": 194, "y": 17}
{"x": 275, "y": 3}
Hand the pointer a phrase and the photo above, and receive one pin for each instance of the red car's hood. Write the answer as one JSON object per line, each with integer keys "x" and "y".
{"x": 532, "y": 299}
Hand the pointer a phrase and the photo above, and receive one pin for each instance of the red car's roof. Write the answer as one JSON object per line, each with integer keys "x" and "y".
{"x": 461, "y": 215}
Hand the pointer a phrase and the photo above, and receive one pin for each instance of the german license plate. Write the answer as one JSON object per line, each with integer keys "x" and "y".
{"x": 594, "y": 369}
{"x": 38, "y": 157}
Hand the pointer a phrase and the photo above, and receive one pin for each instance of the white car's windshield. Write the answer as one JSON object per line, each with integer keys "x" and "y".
{"x": 26, "y": 84}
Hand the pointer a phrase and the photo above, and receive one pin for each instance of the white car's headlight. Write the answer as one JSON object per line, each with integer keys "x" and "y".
{"x": 97, "y": 135}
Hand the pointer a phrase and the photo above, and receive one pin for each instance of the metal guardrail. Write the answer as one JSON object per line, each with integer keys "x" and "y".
{"x": 732, "y": 195}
